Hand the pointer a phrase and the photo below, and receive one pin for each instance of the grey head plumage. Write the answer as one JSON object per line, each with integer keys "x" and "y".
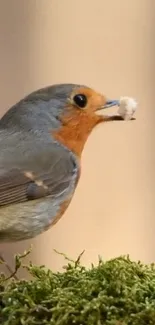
{"x": 38, "y": 110}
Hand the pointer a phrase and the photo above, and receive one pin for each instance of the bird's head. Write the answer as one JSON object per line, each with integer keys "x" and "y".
{"x": 79, "y": 114}
{"x": 67, "y": 111}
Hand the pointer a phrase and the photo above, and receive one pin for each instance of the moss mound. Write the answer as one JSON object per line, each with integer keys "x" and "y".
{"x": 118, "y": 291}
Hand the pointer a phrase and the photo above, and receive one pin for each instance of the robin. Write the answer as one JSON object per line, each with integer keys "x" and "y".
{"x": 41, "y": 141}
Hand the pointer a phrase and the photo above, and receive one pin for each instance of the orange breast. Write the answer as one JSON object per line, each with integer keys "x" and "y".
{"x": 76, "y": 127}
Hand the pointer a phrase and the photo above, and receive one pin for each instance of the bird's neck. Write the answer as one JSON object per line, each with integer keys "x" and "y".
{"x": 75, "y": 130}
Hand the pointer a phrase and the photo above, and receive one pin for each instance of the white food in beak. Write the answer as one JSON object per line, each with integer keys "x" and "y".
{"x": 127, "y": 107}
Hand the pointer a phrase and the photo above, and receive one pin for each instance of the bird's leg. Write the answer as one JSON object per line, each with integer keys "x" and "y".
{"x": 12, "y": 273}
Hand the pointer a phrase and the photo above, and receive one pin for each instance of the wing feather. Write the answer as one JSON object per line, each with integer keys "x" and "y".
{"x": 48, "y": 176}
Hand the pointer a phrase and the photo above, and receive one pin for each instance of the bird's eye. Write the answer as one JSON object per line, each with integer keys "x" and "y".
{"x": 80, "y": 100}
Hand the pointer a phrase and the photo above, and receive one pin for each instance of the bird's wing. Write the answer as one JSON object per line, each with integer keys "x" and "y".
{"x": 50, "y": 173}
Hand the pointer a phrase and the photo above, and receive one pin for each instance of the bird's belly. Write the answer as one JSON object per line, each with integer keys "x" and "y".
{"x": 29, "y": 219}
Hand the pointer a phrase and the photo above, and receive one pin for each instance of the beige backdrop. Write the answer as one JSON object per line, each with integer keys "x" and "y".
{"x": 109, "y": 45}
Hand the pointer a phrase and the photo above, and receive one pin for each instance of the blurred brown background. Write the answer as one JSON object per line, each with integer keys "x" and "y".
{"x": 108, "y": 45}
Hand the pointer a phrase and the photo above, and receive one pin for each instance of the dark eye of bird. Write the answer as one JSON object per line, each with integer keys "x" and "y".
{"x": 80, "y": 100}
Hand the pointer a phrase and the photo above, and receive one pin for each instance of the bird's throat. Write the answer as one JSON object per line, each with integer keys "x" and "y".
{"x": 75, "y": 130}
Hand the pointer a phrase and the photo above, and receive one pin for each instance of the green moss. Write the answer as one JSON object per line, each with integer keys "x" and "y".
{"x": 118, "y": 291}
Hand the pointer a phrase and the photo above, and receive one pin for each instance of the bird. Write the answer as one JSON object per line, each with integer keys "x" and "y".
{"x": 42, "y": 138}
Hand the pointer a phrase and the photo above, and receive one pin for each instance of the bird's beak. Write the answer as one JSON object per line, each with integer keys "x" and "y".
{"x": 110, "y": 103}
